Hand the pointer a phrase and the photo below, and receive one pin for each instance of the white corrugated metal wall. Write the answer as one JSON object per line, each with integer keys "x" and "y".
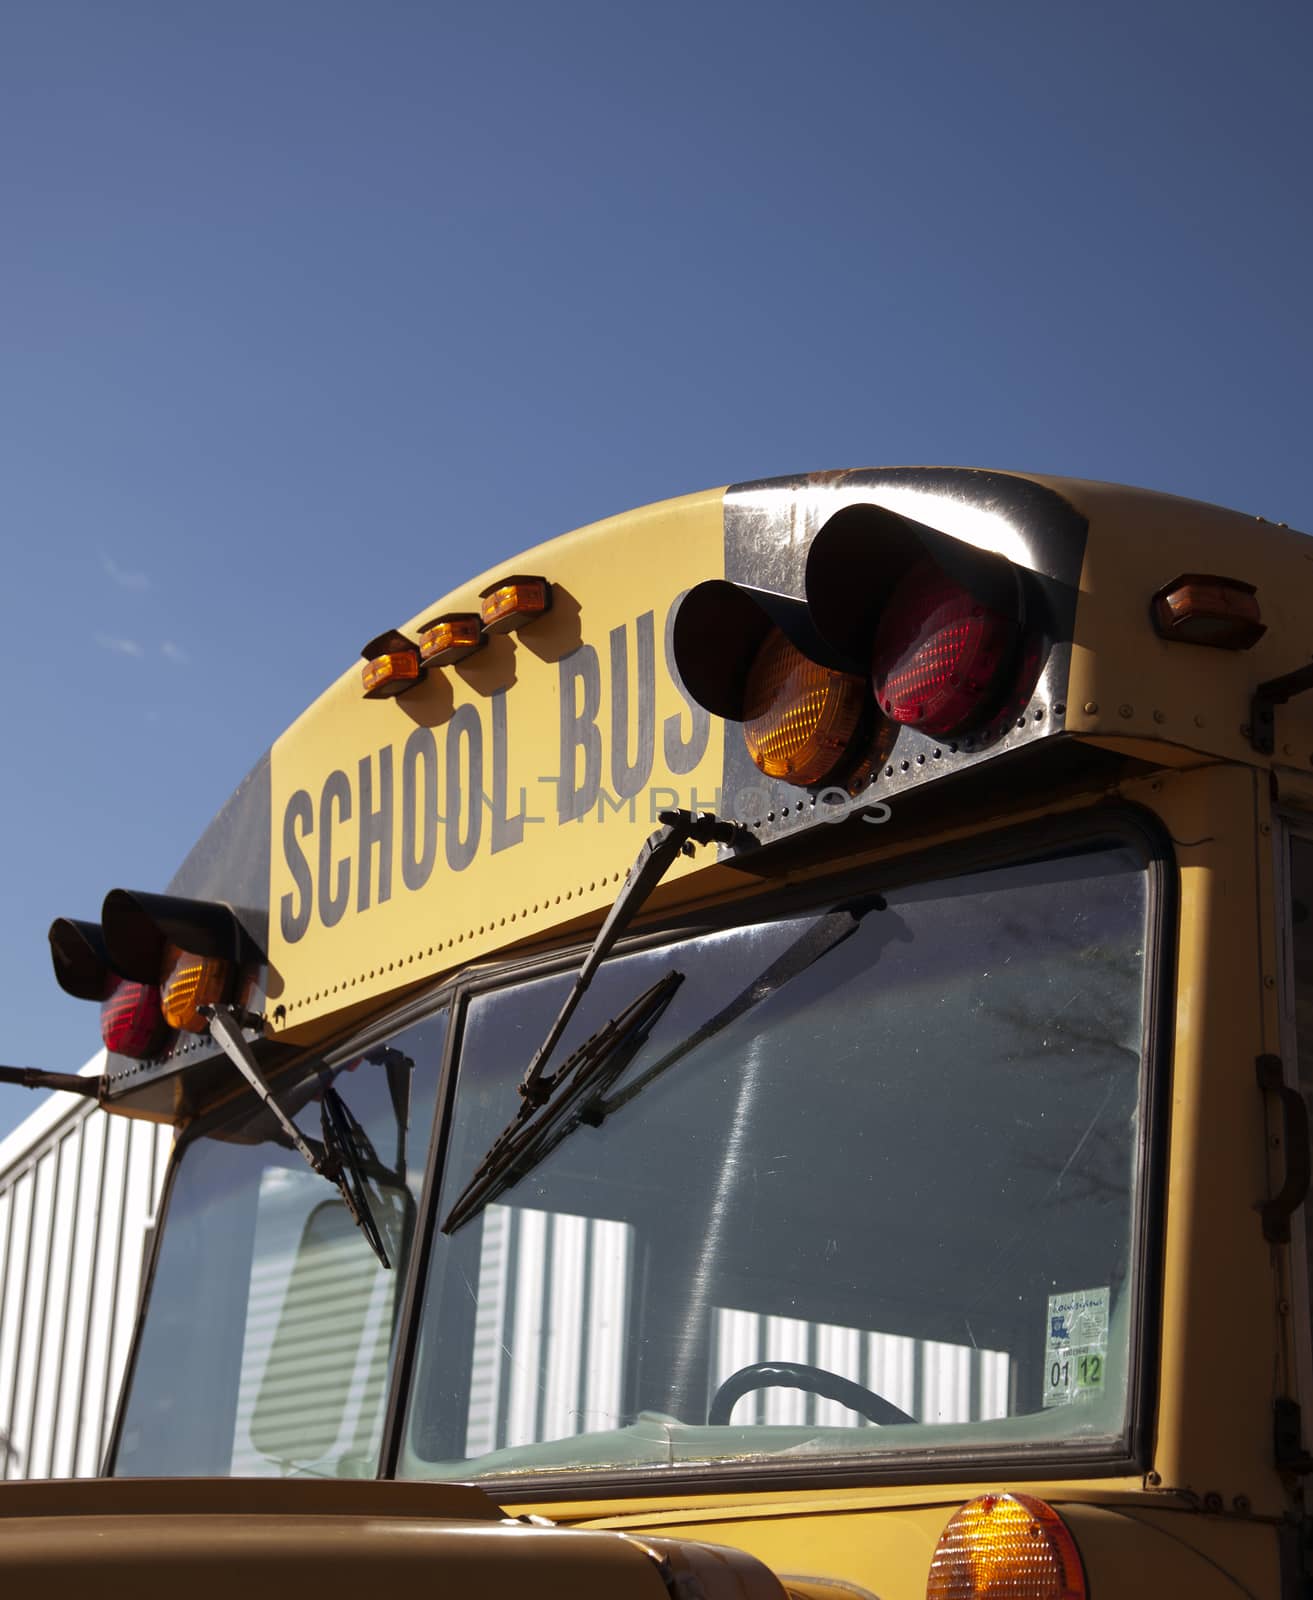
{"x": 78, "y": 1191}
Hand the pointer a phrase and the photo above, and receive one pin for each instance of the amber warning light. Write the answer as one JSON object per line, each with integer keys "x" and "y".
{"x": 514, "y": 602}
{"x": 391, "y": 667}
{"x": 753, "y": 657}
{"x": 448, "y": 639}
{"x": 799, "y": 718}
{"x": 191, "y": 982}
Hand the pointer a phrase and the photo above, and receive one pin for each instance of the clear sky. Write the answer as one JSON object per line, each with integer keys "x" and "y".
{"x": 310, "y": 310}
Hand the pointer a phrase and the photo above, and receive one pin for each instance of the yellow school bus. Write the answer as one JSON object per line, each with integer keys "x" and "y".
{"x": 756, "y": 1048}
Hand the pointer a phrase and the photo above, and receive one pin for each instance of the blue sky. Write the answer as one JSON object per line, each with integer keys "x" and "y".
{"x": 309, "y": 307}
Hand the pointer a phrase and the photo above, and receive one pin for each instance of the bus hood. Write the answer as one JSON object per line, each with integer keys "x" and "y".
{"x": 263, "y": 1539}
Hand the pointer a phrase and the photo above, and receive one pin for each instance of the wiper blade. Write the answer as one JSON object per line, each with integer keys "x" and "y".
{"x": 344, "y": 1140}
{"x": 570, "y": 1096}
{"x": 338, "y": 1159}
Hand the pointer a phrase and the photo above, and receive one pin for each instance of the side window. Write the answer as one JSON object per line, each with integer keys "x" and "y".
{"x": 271, "y": 1324}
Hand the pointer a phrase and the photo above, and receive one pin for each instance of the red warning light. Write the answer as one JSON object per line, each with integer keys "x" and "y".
{"x": 940, "y": 655}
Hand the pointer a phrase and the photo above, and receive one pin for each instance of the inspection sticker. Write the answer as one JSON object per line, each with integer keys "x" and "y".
{"x": 1076, "y": 1346}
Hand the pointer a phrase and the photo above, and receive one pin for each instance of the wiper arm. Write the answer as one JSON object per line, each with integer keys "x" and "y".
{"x": 815, "y": 944}
{"x": 572, "y": 1097}
{"x": 226, "y": 1024}
{"x": 681, "y": 830}
{"x": 338, "y": 1159}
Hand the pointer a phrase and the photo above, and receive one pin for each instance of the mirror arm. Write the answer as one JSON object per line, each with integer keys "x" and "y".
{"x": 69, "y": 1082}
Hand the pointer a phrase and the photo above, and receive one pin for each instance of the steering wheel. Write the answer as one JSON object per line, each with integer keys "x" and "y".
{"x": 815, "y": 1380}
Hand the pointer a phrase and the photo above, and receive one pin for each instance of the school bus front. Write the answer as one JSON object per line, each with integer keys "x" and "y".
{"x": 908, "y": 1194}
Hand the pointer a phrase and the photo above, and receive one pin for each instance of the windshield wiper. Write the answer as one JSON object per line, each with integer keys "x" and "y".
{"x": 339, "y": 1158}
{"x": 596, "y": 1064}
{"x": 569, "y": 1097}
{"x": 344, "y": 1166}
{"x": 681, "y": 830}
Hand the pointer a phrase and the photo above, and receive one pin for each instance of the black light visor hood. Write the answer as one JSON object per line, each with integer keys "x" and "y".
{"x": 81, "y": 961}
{"x": 859, "y": 555}
{"x": 719, "y": 629}
{"x": 138, "y": 926}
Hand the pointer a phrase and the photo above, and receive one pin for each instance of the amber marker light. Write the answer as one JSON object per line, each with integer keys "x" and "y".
{"x": 451, "y": 638}
{"x": 800, "y": 719}
{"x": 1199, "y": 609}
{"x": 513, "y": 602}
{"x": 1006, "y": 1547}
{"x": 190, "y": 982}
{"x": 392, "y": 665}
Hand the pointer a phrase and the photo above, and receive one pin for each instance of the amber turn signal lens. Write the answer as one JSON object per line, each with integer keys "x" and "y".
{"x": 1006, "y": 1547}
{"x": 391, "y": 665}
{"x": 389, "y": 674}
{"x": 799, "y": 718}
{"x": 189, "y": 983}
{"x": 512, "y": 602}
{"x": 1221, "y": 612}
{"x": 450, "y": 638}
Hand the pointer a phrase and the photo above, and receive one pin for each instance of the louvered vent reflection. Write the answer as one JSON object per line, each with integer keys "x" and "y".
{"x": 318, "y": 1326}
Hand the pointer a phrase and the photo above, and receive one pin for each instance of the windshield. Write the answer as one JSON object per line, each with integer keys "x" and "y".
{"x": 870, "y": 1184}
{"x": 270, "y": 1328}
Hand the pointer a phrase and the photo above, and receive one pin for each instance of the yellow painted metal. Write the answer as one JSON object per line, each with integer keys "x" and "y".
{"x": 1130, "y": 691}
{"x": 611, "y": 582}
{"x": 156, "y": 1540}
{"x": 1223, "y": 1358}
{"x": 1137, "y": 1548}
{"x": 1126, "y": 682}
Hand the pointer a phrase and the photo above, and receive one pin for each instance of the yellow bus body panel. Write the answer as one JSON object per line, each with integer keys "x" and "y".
{"x": 606, "y": 578}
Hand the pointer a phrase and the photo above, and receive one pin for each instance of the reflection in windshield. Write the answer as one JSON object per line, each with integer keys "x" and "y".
{"x": 270, "y": 1326}
{"x": 909, "y": 1161}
